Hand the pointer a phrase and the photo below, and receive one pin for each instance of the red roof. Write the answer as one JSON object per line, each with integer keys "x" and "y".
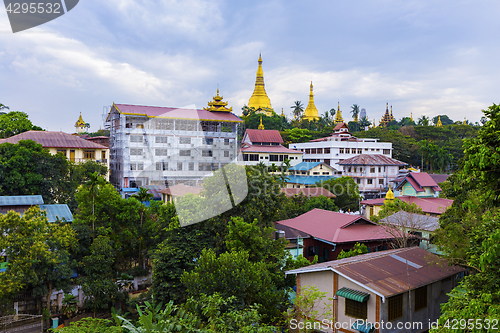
{"x": 54, "y": 140}
{"x": 269, "y": 149}
{"x": 256, "y": 135}
{"x": 419, "y": 180}
{"x": 177, "y": 113}
{"x": 365, "y": 159}
{"x": 339, "y": 126}
{"x": 337, "y": 227}
{"x": 308, "y": 192}
{"x": 428, "y": 205}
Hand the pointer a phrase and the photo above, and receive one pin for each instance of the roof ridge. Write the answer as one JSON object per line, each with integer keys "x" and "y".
{"x": 382, "y": 254}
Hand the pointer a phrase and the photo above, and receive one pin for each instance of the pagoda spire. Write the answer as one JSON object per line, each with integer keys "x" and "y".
{"x": 311, "y": 112}
{"x": 80, "y": 124}
{"x": 261, "y": 126}
{"x": 387, "y": 117}
{"x": 389, "y": 196}
{"x": 259, "y": 98}
{"x": 218, "y": 104}
{"x": 338, "y": 115}
{"x": 439, "y": 123}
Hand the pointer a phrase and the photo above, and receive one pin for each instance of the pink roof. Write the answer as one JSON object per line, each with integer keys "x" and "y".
{"x": 50, "y": 139}
{"x": 419, "y": 180}
{"x": 177, "y": 113}
{"x": 339, "y": 126}
{"x": 269, "y": 149}
{"x": 256, "y": 135}
{"x": 428, "y": 205}
{"x": 365, "y": 159}
{"x": 337, "y": 227}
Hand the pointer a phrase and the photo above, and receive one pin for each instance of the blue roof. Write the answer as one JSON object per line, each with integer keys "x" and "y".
{"x": 57, "y": 211}
{"x": 130, "y": 189}
{"x": 307, "y": 180}
{"x": 21, "y": 200}
{"x": 304, "y": 166}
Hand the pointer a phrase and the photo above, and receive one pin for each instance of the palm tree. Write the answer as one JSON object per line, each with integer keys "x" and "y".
{"x": 87, "y": 126}
{"x": 298, "y": 109}
{"x": 423, "y": 121}
{"x": 355, "y": 112}
{"x": 332, "y": 113}
{"x": 142, "y": 196}
{"x": 93, "y": 185}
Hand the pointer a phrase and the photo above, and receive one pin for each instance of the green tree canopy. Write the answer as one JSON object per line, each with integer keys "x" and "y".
{"x": 346, "y": 191}
{"x": 15, "y": 122}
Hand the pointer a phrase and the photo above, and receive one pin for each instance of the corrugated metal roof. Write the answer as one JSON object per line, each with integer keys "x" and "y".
{"x": 387, "y": 275}
{"x": 366, "y": 159}
{"x": 308, "y": 192}
{"x": 307, "y": 180}
{"x": 419, "y": 221}
{"x": 256, "y": 135}
{"x": 57, "y": 211}
{"x": 54, "y": 140}
{"x": 305, "y": 166}
{"x": 291, "y": 233}
{"x": 21, "y": 200}
{"x": 439, "y": 178}
{"x": 181, "y": 190}
{"x": 428, "y": 205}
{"x": 269, "y": 149}
{"x": 339, "y": 126}
{"x": 177, "y": 113}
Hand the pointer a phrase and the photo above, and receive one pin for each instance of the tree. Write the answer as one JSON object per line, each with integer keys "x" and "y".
{"x": 15, "y": 122}
{"x": 364, "y": 122}
{"x": 406, "y": 121}
{"x": 355, "y": 113}
{"x": 445, "y": 120}
{"x": 298, "y": 109}
{"x": 2, "y": 107}
{"x": 142, "y": 196}
{"x": 296, "y": 135}
{"x": 346, "y": 192}
{"x": 270, "y": 122}
{"x": 90, "y": 325}
{"x": 357, "y": 249}
{"x": 38, "y": 254}
{"x": 423, "y": 121}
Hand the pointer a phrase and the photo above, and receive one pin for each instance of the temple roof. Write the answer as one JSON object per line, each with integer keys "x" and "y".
{"x": 218, "y": 105}
{"x": 338, "y": 115}
{"x": 311, "y": 112}
{"x": 259, "y": 98}
{"x": 387, "y": 118}
{"x": 80, "y": 121}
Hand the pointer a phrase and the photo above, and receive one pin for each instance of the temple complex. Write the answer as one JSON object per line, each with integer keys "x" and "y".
{"x": 311, "y": 113}
{"x": 387, "y": 118}
{"x": 80, "y": 125}
{"x": 259, "y": 100}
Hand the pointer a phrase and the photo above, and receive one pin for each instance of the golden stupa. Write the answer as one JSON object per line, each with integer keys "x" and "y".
{"x": 338, "y": 115}
{"x": 439, "y": 123}
{"x": 311, "y": 113}
{"x": 387, "y": 118}
{"x": 259, "y": 100}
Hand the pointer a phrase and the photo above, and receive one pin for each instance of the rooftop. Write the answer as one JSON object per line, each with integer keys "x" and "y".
{"x": 305, "y": 166}
{"x": 429, "y": 205}
{"x": 308, "y": 192}
{"x": 378, "y": 159}
{"x": 57, "y": 211}
{"x": 269, "y": 149}
{"x": 412, "y": 220}
{"x": 50, "y": 139}
{"x": 388, "y": 273}
{"x": 307, "y": 180}
{"x": 21, "y": 200}
{"x": 256, "y": 135}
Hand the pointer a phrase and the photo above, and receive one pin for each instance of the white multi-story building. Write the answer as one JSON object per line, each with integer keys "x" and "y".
{"x": 340, "y": 146}
{"x": 166, "y": 146}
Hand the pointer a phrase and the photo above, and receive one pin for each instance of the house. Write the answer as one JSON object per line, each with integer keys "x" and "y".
{"x": 340, "y": 146}
{"x": 72, "y": 147}
{"x": 164, "y": 146}
{"x": 371, "y": 291}
{"x": 419, "y": 225}
{"x": 307, "y": 174}
{"x": 372, "y": 173}
{"x": 418, "y": 184}
{"x": 265, "y": 146}
{"x": 308, "y": 192}
{"x": 430, "y": 206}
{"x": 295, "y": 238}
{"x": 21, "y": 203}
{"x": 331, "y": 232}
{"x": 177, "y": 191}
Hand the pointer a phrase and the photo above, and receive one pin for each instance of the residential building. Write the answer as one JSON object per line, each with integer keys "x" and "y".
{"x": 340, "y": 146}
{"x": 430, "y": 206}
{"x": 331, "y": 232}
{"x": 21, "y": 203}
{"x": 372, "y": 173}
{"x": 308, "y": 192}
{"x": 394, "y": 287}
{"x": 72, "y": 147}
{"x": 418, "y": 184}
{"x": 165, "y": 146}
{"x": 265, "y": 146}
{"x": 307, "y": 174}
{"x": 296, "y": 240}
{"x": 177, "y": 191}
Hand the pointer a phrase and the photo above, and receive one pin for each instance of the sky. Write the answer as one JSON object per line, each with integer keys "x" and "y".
{"x": 421, "y": 57}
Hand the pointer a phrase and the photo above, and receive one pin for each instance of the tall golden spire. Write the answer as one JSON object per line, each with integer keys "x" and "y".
{"x": 261, "y": 126}
{"x": 439, "y": 123}
{"x": 411, "y": 116}
{"x": 259, "y": 99}
{"x": 311, "y": 113}
{"x": 282, "y": 113}
{"x": 338, "y": 115}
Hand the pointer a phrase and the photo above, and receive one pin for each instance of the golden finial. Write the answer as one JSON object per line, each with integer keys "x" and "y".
{"x": 439, "y": 123}
{"x": 282, "y": 113}
{"x": 411, "y": 116}
{"x": 389, "y": 196}
{"x": 374, "y": 123}
{"x": 261, "y": 126}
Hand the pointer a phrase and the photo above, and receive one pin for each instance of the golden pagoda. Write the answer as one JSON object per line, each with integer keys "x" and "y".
{"x": 439, "y": 123}
{"x": 261, "y": 126}
{"x": 311, "y": 113}
{"x": 389, "y": 196}
{"x": 387, "y": 118}
{"x": 282, "y": 113}
{"x": 80, "y": 125}
{"x": 374, "y": 124}
{"x": 259, "y": 100}
{"x": 338, "y": 115}
{"x": 411, "y": 116}
{"x": 218, "y": 105}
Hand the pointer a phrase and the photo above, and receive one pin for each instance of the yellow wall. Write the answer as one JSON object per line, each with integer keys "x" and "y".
{"x": 80, "y": 157}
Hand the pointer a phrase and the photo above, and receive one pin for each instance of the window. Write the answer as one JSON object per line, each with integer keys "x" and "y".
{"x": 135, "y": 151}
{"x": 308, "y": 151}
{"x": 379, "y": 169}
{"x": 254, "y": 157}
{"x": 136, "y": 138}
{"x": 184, "y": 152}
{"x": 273, "y": 158}
{"x": 133, "y": 167}
{"x": 360, "y": 151}
{"x": 395, "y": 307}
{"x": 347, "y": 151}
{"x": 327, "y": 151}
{"x": 387, "y": 152}
{"x": 372, "y": 170}
{"x": 209, "y": 141}
{"x": 89, "y": 154}
{"x": 179, "y": 166}
{"x": 356, "y": 309}
{"x": 358, "y": 181}
{"x": 326, "y": 173}
{"x": 315, "y": 173}
{"x": 226, "y": 153}
{"x": 381, "y": 182}
{"x": 341, "y": 150}
{"x": 191, "y": 166}
{"x": 226, "y": 142}
{"x": 369, "y": 181}
{"x": 103, "y": 155}
{"x": 313, "y": 151}
{"x": 161, "y": 166}
{"x": 161, "y": 139}
{"x": 349, "y": 169}
{"x": 140, "y": 166}
{"x": 206, "y": 153}
{"x": 160, "y": 152}
{"x": 184, "y": 140}
{"x": 204, "y": 167}
{"x": 62, "y": 151}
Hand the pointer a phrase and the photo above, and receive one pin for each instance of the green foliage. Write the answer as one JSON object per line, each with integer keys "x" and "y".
{"x": 90, "y": 325}
{"x": 346, "y": 191}
{"x": 273, "y": 122}
{"x": 296, "y": 135}
{"x": 69, "y": 305}
{"x": 37, "y": 252}
{"x": 357, "y": 249}
{"x": 15, "y": 122}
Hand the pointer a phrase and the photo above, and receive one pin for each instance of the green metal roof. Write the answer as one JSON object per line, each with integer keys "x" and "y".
{"x": 363, "y": 327}
{"x": 355, "y": 295}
